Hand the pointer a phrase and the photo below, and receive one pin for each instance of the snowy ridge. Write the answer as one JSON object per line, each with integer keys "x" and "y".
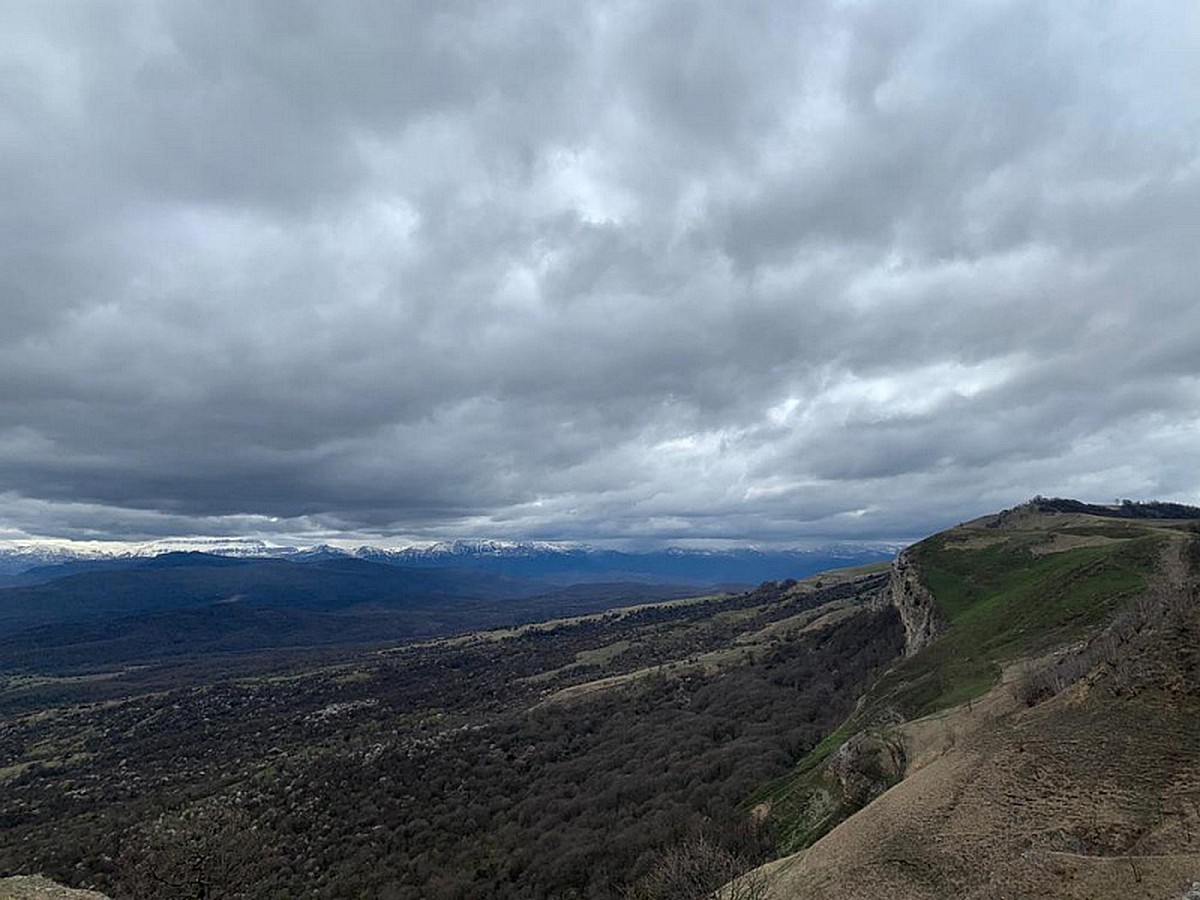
{"x": 510, "y": 556}
{"x": 22, "y": 557}
{"x": 473, "y": 549}
{"x": 240, "y": 547}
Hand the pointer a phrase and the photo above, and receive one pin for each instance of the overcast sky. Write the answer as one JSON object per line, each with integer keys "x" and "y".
{"x": 775, "y": 272}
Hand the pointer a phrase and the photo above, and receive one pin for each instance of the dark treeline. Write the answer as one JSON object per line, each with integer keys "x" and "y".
{"x": 1125, "y": 509}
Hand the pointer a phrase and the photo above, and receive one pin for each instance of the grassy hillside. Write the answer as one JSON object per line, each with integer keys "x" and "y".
{"x": 1087, "y": 788}
{"x": 1006, "y": 588}
{"x": 1007, "y": 601}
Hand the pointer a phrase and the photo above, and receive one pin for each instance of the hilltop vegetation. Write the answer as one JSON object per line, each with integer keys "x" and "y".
{"x": 1124, "y": 509}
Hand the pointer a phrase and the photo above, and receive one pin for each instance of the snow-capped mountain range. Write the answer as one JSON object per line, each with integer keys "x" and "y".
{"x": 555, "y": 562}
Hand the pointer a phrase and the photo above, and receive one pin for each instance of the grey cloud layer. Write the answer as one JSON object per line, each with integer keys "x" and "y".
{"x": 620, "y": 270}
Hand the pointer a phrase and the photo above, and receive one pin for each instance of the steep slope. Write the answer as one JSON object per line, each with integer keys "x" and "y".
{"x": 1041, "y": 739}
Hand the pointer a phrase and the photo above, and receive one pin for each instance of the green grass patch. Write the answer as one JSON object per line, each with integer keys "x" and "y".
{"x": 1003, "y": 602}
{"x": 601, "y": 656}
{"x": 1000, "y": 602}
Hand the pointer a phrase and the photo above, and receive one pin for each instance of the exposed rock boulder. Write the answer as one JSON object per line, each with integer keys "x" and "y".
{"x": 866, "y": 766}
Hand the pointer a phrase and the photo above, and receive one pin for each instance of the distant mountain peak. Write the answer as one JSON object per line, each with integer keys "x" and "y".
{"x": 490, "y": 547}
{"x": 713, "y": 565}
{"x": 217, "y": 546}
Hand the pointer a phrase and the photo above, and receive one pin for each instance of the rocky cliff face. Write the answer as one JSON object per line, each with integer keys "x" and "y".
{"x": 915, "y": 604}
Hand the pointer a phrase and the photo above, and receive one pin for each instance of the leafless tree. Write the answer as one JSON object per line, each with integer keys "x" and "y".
{"x": 197, "y": 854}
{"x": 698, "y": 869}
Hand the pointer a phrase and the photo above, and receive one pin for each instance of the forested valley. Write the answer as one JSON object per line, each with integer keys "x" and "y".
{"x": 566, "y": 759}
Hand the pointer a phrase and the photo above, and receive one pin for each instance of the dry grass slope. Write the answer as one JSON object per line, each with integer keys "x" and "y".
{"x": 35, "y": 887}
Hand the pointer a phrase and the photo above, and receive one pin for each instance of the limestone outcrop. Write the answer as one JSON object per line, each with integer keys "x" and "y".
{"x": 914, "y": 601}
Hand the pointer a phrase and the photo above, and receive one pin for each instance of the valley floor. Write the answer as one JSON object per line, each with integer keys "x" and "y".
{"x": 547, "y": 761}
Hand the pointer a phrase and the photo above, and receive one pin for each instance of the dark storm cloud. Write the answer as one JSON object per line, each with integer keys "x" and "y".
{"x": 662, "y": 271}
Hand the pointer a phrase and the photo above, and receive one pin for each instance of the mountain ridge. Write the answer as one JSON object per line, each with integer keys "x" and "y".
{"x": 561, "y": 564}
{"x": 1033, "y": 636}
